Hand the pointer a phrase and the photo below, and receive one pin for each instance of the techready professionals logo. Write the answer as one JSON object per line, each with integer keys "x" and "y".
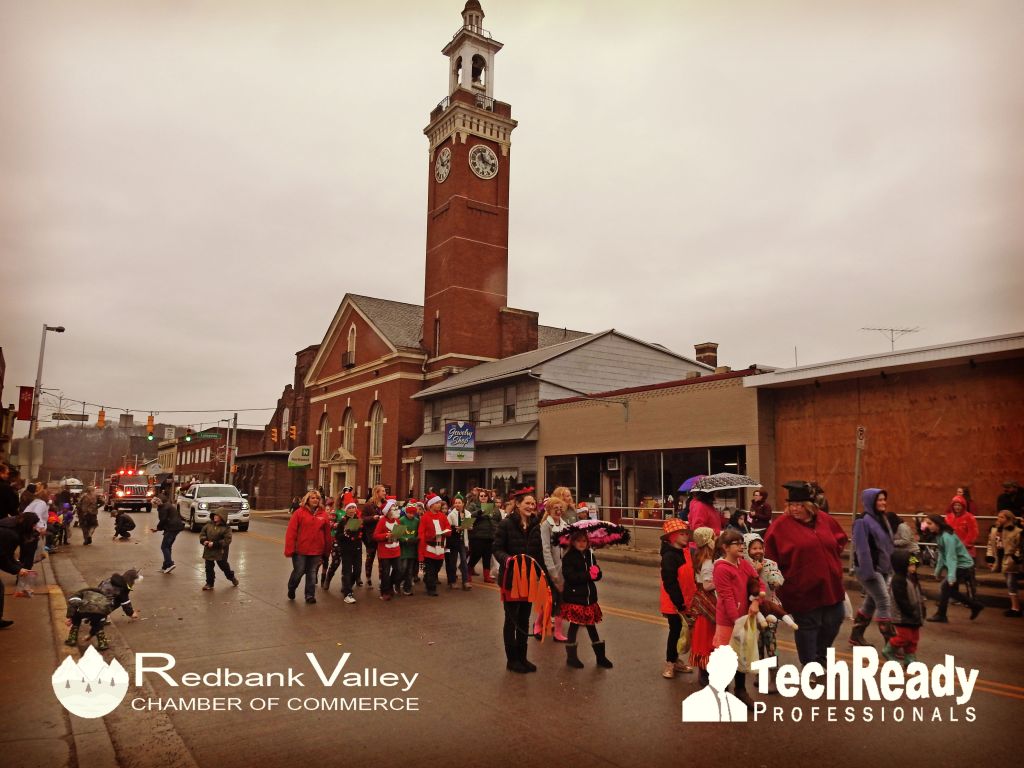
{"x": 92, "y": 688}
{"x": 863, "y": 690}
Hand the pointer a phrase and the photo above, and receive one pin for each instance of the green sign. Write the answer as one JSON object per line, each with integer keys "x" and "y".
{"x": 208, "y": 436}
{"x": 300, "y": 457}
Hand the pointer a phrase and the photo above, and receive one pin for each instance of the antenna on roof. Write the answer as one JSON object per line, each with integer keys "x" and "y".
{"x": 893, "y": 333}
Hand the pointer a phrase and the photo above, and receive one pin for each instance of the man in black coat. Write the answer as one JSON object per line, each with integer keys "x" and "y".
{"x": 8, "y": 496}
{"x": 171, "y": 524}
{"x": 14, "y": 531}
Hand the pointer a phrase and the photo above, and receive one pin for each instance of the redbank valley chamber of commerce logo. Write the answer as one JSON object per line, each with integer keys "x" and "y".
{"x": 92, "y": 687}
{"x": 862, "y": 690}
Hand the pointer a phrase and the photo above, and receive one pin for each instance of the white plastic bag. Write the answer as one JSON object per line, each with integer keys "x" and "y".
{"x": 847, "y": 608}
{"x": 744, "y": 642}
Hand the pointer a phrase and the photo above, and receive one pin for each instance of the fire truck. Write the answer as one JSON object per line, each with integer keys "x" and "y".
{"x": 131, "y": 489}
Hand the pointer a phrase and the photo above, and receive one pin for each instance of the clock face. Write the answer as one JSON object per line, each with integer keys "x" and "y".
{"x": 483, "y": 161}
{"x": 443, "y": 165}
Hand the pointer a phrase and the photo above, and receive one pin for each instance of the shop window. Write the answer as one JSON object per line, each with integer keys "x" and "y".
{"x": 558, "y": 471}
{"x": 642, "y": 472}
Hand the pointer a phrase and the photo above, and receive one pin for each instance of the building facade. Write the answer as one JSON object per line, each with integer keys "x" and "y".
{"x": 202, "y": 459}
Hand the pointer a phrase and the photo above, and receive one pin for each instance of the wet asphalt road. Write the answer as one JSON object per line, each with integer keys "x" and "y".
{"x": 469, "y": 708}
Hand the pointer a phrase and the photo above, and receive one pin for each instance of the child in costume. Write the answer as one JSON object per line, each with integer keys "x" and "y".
{"x": 349, "y": 538}
{"x": 704, "y": 603}
{"x": 581, "y": 573}
{"x": 406, "y": 531}
{"x": 327, "y": 571}
{"x": 389, "y": 549}
{"x": 434, "y": 529}
{"x": 907, "y": 613}
{"x": 677, "y": 588}
{"x": 95, "y": 604}
{"x": 216, "y": 539}
{"x": 771, "y": 607}
{"x": 456, "y": 558}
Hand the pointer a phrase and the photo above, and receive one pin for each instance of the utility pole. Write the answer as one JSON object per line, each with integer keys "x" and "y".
{"x": 234, "y": 447}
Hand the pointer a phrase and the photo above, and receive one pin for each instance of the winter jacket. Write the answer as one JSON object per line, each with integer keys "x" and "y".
{"x": 965, "y": 526}
{"x": 580, "y": 587}
{"x": 432, "y": 526}
{"x": 732, "y": 585}
{"x": 676, "y": 579}
{"x": 348, "y": 536}
{"x": 1008, "y": 540}
{"x": 760, "y": 513}
{"x": 408, "y": 535}
{"x": 903, "y": 536}
{"x": 219, "y": 535}
{"x": 371, "y": 513}
{"x": 703, "y": 515}
{"x": 111, "y": 594}
{"x": 169, "y": 519}
{"x": 487, "y": 518}
{"x": 808, "y": 555}
{"x": 552, "y": 553}
{"x": 41, "y": 510}
{"x": 952, "y": 556}
{"x": 386, "y": 549}
{"x": 123, "y": 524}
{"x": 872, "y": 539}
{"x": 88, "y": 505}
{"x": 906, "y": 594}
{"x": 308, "y": 533}
{"x": 455, "y": 520}
{"x": 510, "y": 539}
{"x": 9, "y": 541}
{"x": 8, "y": 500}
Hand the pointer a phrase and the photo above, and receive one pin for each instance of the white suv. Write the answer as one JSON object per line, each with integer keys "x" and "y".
{"x": 196, "y": 504}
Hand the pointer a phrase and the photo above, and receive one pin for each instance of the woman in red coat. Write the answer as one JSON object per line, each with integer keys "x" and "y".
{"x": 434, "y": 529}
{"x": 307, "y": 542}
{"x": 807, "y": 544}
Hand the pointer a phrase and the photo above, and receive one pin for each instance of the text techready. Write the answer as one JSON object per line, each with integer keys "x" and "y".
{"x": 368, "y": 677}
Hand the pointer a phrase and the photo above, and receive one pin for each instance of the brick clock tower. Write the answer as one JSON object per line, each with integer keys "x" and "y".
{"x": 465, "y": 317}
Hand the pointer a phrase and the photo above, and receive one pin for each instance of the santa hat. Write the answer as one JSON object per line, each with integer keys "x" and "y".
{"x": 433, "y": 499}
{"x": 389, "y": 504}
{"x": 348, "y": 500}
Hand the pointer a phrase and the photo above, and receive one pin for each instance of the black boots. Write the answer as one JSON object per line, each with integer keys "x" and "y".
{"x": 860, "y": 625}
{"x": 572, "y": 658}
{"x": 602, "y": 660}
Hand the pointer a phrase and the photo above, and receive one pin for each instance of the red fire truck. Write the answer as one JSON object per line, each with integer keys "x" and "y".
{"x": 128, "y": 488}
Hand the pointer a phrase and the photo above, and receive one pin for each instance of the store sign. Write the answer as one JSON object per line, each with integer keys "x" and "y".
{"x": 459, "y": 441}
{"x": 300, "y": 457}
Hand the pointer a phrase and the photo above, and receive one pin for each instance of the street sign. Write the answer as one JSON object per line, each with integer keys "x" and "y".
{"x": 168, "y": 433}
{"x": 207, "y": 436}
{"x": 300, "y": 457}
{"x": 58, "y": 416}
{"x": 862, "y": 434}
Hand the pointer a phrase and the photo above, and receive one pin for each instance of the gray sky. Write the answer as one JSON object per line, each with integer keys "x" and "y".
{"x": 191, "y": 187}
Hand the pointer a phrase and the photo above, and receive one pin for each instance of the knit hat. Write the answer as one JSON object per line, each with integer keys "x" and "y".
{"x": 703, "y": 536}
{"x": 672, "y": 525}
{"x": 433, "y": 499}
{"x": 459, "y": 495}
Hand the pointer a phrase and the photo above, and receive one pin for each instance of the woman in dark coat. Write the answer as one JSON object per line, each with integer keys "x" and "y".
{"x": 517, "y": 534}
{"x": 14, "y": 532}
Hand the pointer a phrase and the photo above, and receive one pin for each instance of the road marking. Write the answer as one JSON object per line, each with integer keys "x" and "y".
{"x": 987, "y": 686}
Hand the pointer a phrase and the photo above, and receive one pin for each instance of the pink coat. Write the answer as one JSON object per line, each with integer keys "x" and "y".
{"x": 704, "y": 515}
{"x": 731, "y": 587}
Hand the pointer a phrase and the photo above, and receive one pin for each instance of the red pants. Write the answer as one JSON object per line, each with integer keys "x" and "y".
{"x": 906, "y": 638}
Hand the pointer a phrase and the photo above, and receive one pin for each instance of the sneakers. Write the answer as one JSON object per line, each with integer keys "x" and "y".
{"x": 351, "y": 599}
{"x": 234, "y": 581}
{"x": 207, "y": 587}
{"x": 168, "y": 569}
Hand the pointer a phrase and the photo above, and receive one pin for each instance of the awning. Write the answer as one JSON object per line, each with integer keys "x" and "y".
{"x": 499, "y": 433}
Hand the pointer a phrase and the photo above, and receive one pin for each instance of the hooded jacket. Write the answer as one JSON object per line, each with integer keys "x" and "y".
{"x": 770, "y": 573}
{"x": 906, "y": 593}
{"x": 964, "y": 525}
{"x": 872, "y": 539}
{"x": 219, "y": 536}
{"x": 309, "y": 533}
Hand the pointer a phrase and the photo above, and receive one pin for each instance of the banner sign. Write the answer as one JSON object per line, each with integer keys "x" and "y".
{"x": 459, "y": 441}
{"x": 25, "y": 403}
{"x": 300, "y": 457}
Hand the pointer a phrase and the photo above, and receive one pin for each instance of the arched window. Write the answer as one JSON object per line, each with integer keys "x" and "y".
{"x": 348, "y": 437}
{"x": 325, "y": 438}
{"x": 352, "y": 338}
{"x": 376, "y": 429}
{"x": 479, "y": 70}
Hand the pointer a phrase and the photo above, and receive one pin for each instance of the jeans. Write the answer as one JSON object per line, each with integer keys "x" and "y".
{"x": 223, "y": 565}
{"x": 818, "y": 630}
{"x": 407, "y": 569}
{"x": 304, "y": 565}
{"x": 455, "y": 562}
{"x": 165, "y": 547}
{"x": 388, "y": 574}
{"x": 371, "y": 553}
{"x": 431, "y": 569}
{"x": 351, "y": 552}
{"x": 876, "y": 597}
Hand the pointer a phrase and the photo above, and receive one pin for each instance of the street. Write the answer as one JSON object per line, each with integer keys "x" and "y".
{"x": 462, "y": 695}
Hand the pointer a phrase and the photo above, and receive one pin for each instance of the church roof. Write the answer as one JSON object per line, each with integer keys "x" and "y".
{"x": 402, "y": 323}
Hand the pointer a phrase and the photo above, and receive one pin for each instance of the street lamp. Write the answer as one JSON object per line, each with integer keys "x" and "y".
{"x": 35, "y": 452}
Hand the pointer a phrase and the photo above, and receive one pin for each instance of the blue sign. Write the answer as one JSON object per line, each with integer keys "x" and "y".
{"x": 459, "y": 441}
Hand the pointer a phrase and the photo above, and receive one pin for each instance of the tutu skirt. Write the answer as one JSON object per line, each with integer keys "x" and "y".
{"x": 581, "y": 614}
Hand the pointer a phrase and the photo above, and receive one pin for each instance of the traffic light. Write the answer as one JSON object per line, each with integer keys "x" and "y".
{"x": 101, "y": 419}
{"x": 293, "y": 432}
{"x": 188, "y": 435}
{"x": 273, "y": 434}
{"x": 149, "y": 427}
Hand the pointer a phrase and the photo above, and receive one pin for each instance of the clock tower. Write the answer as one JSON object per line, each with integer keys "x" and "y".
{"x": 466, "y": 285}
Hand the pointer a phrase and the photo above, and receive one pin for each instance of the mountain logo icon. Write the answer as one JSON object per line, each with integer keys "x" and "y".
{"x": 91, "y": 687}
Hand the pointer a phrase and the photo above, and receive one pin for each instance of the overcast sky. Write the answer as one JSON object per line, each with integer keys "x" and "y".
{"x": 191, "y": 187}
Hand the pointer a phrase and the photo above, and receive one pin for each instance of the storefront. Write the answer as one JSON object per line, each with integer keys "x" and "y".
{"x": 500, "y": 466}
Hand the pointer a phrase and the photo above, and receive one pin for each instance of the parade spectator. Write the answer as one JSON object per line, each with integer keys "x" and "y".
{"x": 760, "y": 512}
{"x": 15, "y": 532}
{"x": 807, "y": 544}
{"x": 215, "y": 537}
{"x": 307, "y": 542}
{"x": 456, "y": 556}
{"x": 902, "y": 534}
{"x": 677, "y": 586}
{"x": 389, "y": 549}
{"x": 348, "y": 537}
{"x": 956, "y": 563}
{"x": 552, "y": 522}
{"x": 820, "y": 500}
{"x": 971, "y": 507}
{"x": 703, "y": 606}
{"x": 732, "y": 574}
{"x": 872, "y": 558}
{"x": 580, "y": 574}
{"x": 1012, "y": 498}
{"x": 96, "y": 604}
{"x": 963, "y": 523}
{"x": 510, "y": 539}
{"x": 434, "y": 530}
{"x": 481, "y": 535}
{"x": 8, "y": 496}
{"x": 170, "y": 522}
{"x": 703, "y": 513}
{"x": 1004, "y": 542}
{"x": 371, "y": 514}
{"x": 88, "y": 510}
{"x": 565, "y": 494}
{"x": 738, "y": 522}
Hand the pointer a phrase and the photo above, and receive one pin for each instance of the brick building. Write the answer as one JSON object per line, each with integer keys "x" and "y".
{"x": 202, "y": 458}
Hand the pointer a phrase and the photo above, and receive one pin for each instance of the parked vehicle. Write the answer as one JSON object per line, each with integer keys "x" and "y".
{"x": 196, "y": 504}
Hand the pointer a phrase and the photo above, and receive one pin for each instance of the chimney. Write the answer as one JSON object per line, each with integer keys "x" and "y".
{"x": 707, "y": 353}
